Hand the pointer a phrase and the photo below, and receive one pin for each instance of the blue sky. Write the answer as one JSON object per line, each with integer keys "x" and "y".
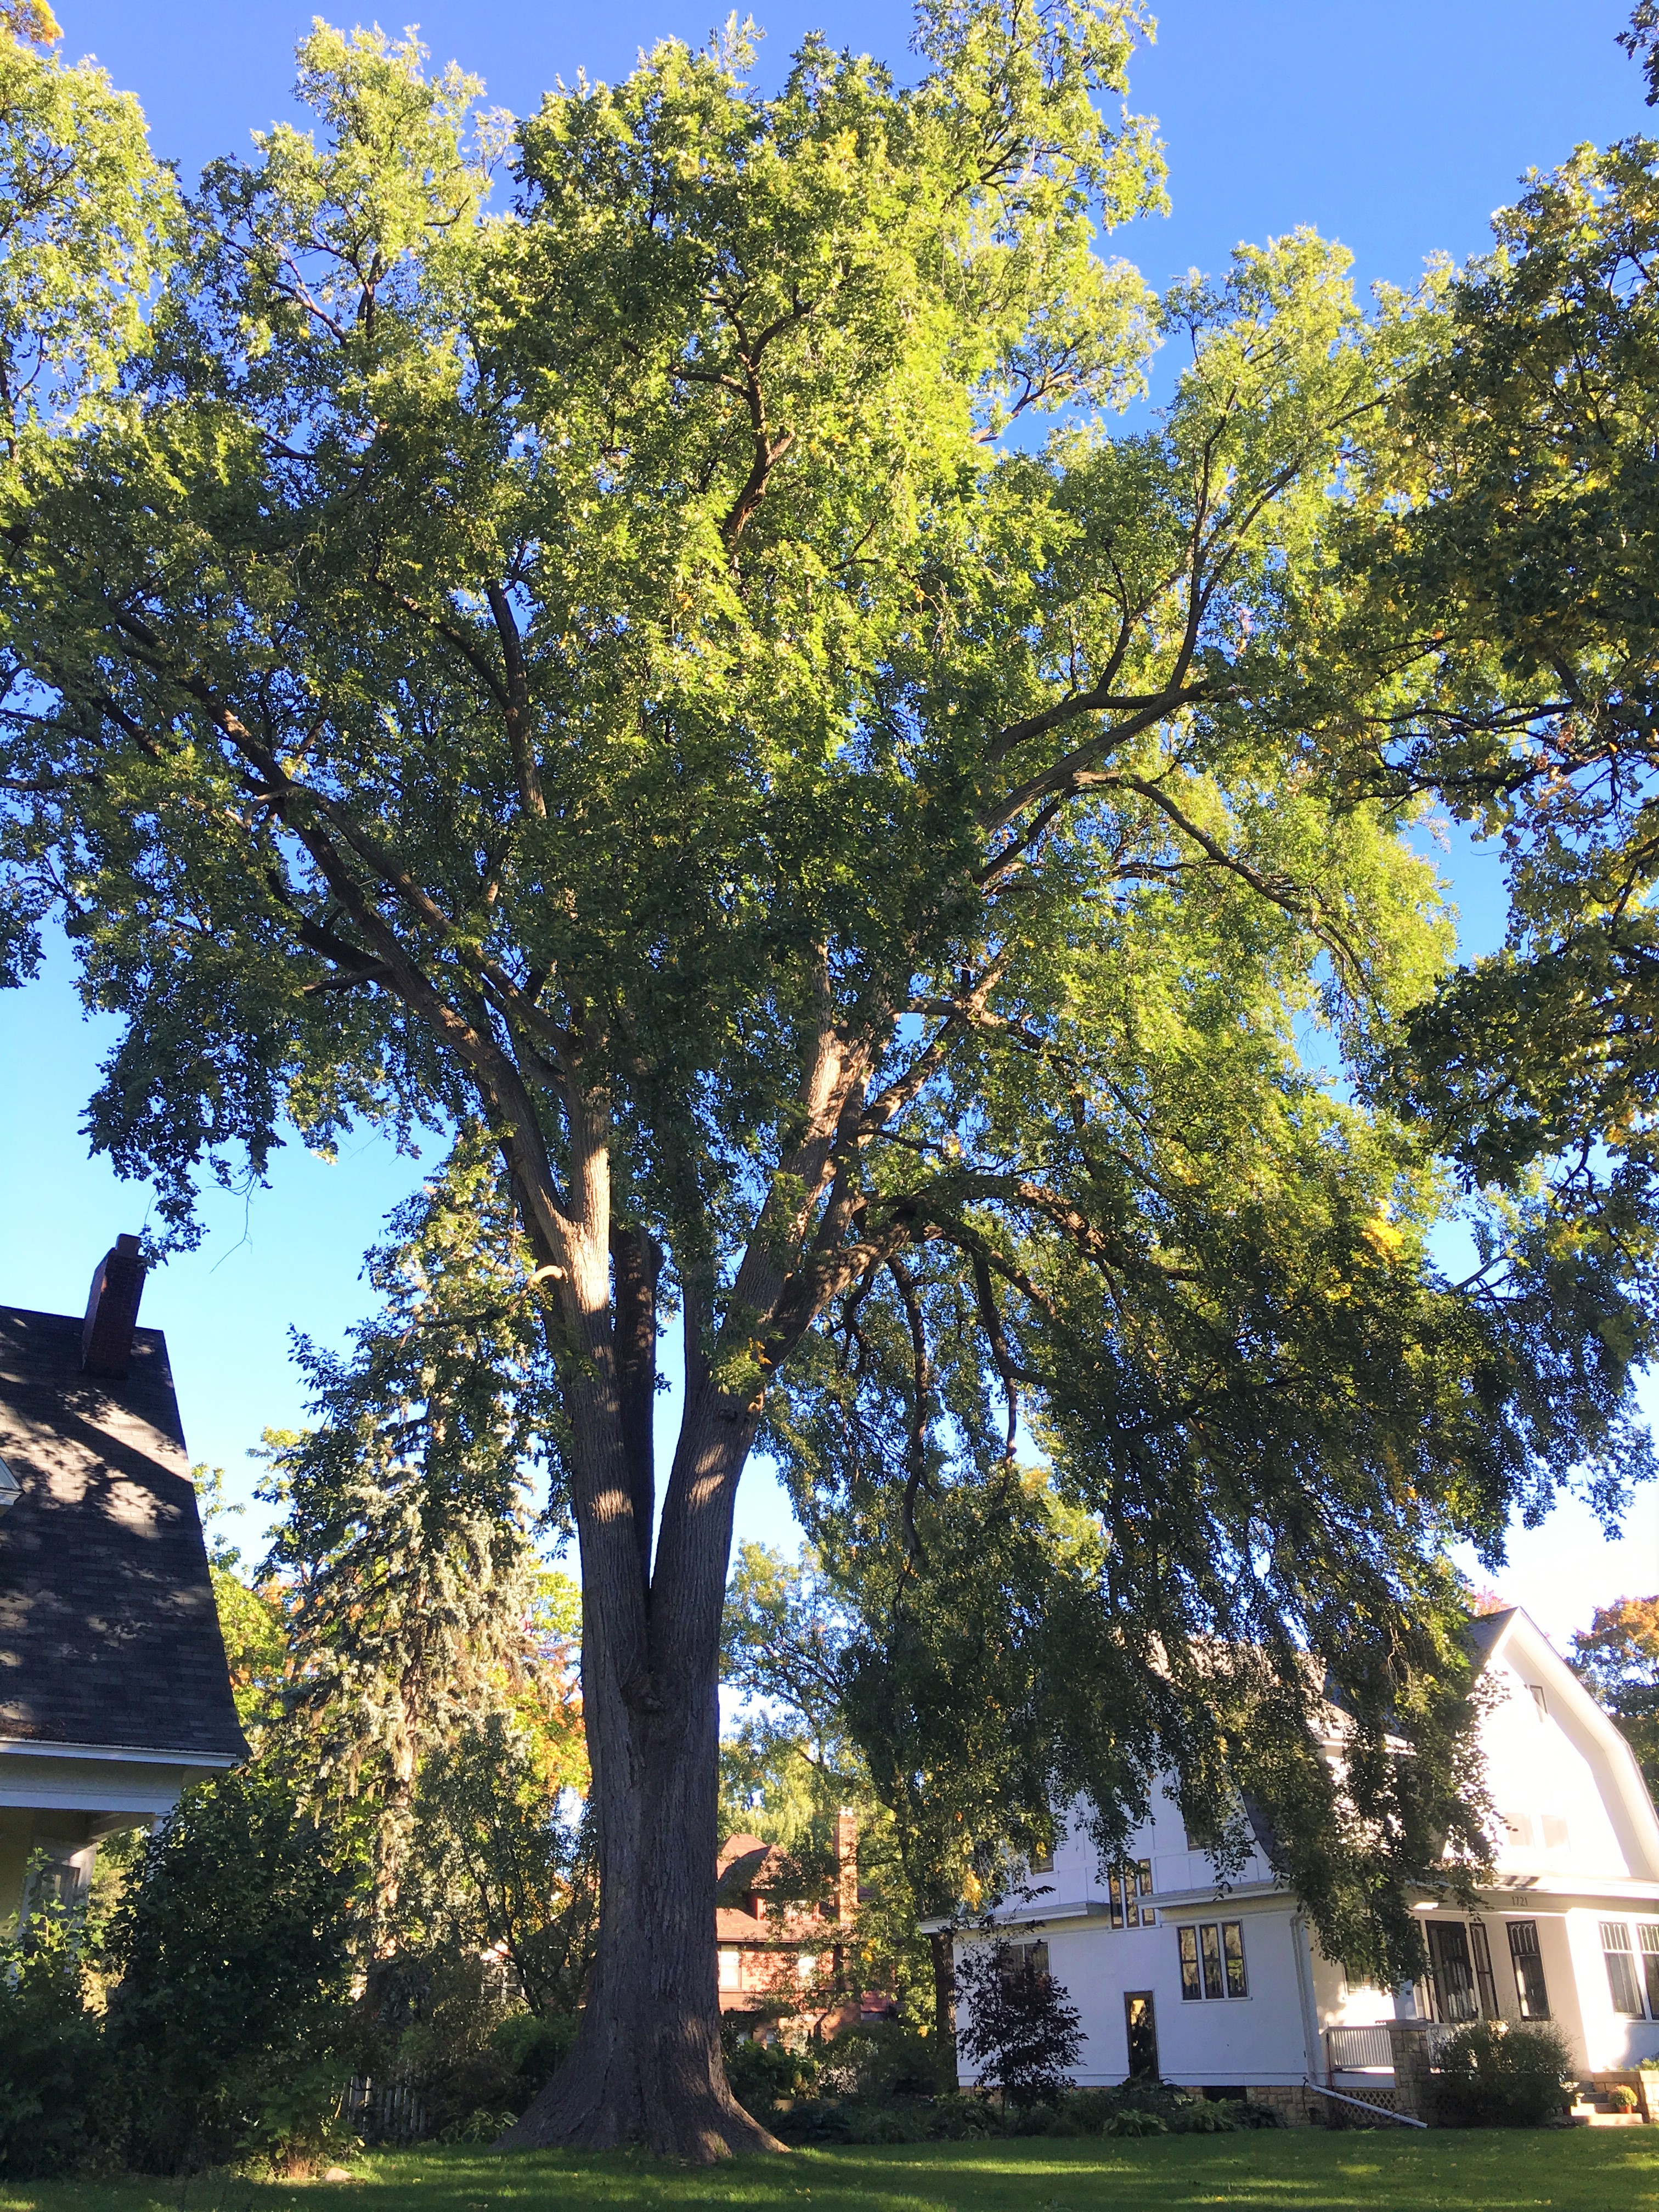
{"x": 1394, "y": 126}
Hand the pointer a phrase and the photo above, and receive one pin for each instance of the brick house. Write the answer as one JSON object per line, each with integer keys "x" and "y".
{"x": 781, "y": 1960}
{"x": 113, "y": 1689}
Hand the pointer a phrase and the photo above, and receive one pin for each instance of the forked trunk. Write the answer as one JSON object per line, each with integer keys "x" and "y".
{"x": 647, "y": 2067}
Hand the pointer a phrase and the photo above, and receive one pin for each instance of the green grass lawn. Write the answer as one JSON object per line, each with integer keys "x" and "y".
{"x": 1606, "y": 2170}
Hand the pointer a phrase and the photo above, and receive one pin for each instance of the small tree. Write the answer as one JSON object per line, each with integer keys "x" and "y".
{"x": 497, "y": 1866}
{"x": 1021, "y": 2030}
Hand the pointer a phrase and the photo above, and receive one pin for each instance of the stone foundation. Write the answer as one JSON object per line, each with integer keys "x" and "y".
{"x": 1292, "y": 2102}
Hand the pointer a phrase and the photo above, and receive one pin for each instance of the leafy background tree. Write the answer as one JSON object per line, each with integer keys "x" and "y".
{"x": 1617, "y": 1658}
{"x": 919, "y": 903}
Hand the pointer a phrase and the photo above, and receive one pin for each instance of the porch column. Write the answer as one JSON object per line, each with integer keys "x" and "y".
{"x": 1413, "y": 2091}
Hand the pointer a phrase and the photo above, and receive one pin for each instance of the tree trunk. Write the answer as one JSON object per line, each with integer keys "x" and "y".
{"x": 647, "y": 2066}
{"x": 942, "y": 1942}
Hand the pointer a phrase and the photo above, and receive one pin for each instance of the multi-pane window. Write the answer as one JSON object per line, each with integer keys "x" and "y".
{"x": 1023, "y": 1960}
{"x": 1648, "y": 1935}
{"x": 1212, "y": 1959}
{"x": 1621, "y": 1968}
{"x": 1528, "y": 1970}
{"x": 1125, "y": 1886}
{"x": 1483, "y": 1974}
{"x": 1452, "y": 1973}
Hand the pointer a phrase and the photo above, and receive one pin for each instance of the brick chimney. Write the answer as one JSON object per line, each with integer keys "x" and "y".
{"x": 118, "y": 1283}
{"x": 846, "y": 1866}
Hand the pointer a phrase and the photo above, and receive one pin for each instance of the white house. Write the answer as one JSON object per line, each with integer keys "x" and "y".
{"x": 1225, "y": 1988}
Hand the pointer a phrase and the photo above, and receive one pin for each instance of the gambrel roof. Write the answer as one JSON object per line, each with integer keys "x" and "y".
{"x": 1513, "y": 1642}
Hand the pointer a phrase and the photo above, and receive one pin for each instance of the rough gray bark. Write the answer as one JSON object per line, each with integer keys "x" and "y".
{"x": 647, "y": 2066}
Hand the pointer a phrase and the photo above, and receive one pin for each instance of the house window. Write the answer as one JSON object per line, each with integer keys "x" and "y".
{"x": 1021, "y": 1960}
{"x": 1483, "y": 1974}
{"x": 1212, "y": 1959}
{"x": 1452, "y": 1972}
{"x": 1232, "y": 1957}
{"x": 1042, "y": 1863}
{"x": 731, "y": 1968}
{"x": 1621, "y": 1968}
{"x": 1555, "y": 1825}
{"x": 1125, "y": 1886}
{"x": 1648, "y": 1937}
{"x": 1528, "y": 1970}
{"x": 1540, "y": 1705}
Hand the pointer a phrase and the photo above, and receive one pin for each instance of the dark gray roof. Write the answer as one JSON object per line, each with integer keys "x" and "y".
{"x": 1486, "y": 1629}
{"x": 108, "y": 1632}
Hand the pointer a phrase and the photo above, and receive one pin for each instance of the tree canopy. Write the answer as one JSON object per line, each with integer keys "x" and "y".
{"x": 686, "y": 676}
{"x": 1618, "y": 1657}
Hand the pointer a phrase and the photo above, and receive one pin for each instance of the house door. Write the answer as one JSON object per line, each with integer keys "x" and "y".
{"x": 1141, "y": 2027}
{"x": 1453, "y": 1971}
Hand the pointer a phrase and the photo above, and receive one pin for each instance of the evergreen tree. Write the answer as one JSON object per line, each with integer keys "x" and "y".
{"x": 416, "y": 1600}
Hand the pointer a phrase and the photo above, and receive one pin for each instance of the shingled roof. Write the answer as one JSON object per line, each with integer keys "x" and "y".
{"x": 108, "y": 1632}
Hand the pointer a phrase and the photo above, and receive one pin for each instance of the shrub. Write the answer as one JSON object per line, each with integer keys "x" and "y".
{"x": 886, "y": 2123}
{"x": 1132, "y": 2123}
{"x": 51, "y": 2071}
{"x": 227, "y": 2027}
{"x": 884, "y": 2059}
{"x": 1021, "y": 2031}
{"x": 957, "y": 2118}
{"x": 1208, "y": 2120}
{"x": 481, "y": 2126}
{"x": 1491, "y": 2076}
{"x": 1087, "y": 2112}
{"x": 533, "y": 2047}
{"x": 761, "y": 2073}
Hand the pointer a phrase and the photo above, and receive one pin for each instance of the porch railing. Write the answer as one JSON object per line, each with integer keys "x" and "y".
{"x": 1358, "y": 2050}
{"x": 1371, "y": 2050}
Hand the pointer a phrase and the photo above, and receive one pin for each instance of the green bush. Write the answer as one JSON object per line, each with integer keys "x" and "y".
{"x": 1132, "y": 2123}
{"x": 480, "y": 2126}
{"x": 1208, "y": 2120}
{"x": 1252, "y": 2115}
{"x": 762, "y": 2072}
{"x": 1087, "y": 2112}
{"x": 957, "y": 2118}
{"x": 1490, "y": 2076}
{"x": 52, "y": 2075}
{"x": 227, "y": 2028}
{"x": 884, "y": 2059}
{"x": 532, "y": 2047}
